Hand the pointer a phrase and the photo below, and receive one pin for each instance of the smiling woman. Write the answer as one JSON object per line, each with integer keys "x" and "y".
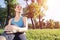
{"x": 17, "y": 26}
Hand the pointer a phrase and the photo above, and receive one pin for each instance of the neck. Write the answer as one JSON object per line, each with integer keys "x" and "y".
{"x": 17, "y": 15}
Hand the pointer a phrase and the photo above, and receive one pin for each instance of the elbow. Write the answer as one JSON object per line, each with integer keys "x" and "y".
{"x": 26, "y": 29}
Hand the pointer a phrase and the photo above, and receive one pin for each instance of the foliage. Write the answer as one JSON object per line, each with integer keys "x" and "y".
{"x": 43, "y": 34}
{"x": 50, "y": 23}
{"x": 10, "y": 9}
{"x": 11, "y": 1}
{"x": 42, "y": 3}
{"x": 33, "y": 10}
{"x": 29, "y": 26}
{"x": 10, "y": 4}
{"x": 3, "y": 15}
{"x": 3, "y": 12}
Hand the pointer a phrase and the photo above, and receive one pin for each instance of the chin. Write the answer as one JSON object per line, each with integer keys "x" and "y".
{"x": 18, "y": 11}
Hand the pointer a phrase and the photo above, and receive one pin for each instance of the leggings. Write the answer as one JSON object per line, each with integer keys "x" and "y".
{"x": 14, "y": 36}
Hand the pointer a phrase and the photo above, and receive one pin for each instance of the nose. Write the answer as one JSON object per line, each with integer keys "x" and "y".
{"x": 19, "y": 7}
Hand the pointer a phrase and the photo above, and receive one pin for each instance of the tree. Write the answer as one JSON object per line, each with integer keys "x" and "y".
{"x": 10, "y": 4}
{"x": 50, "y": 24}
{"x": 32, "y": 11}
{"x": 41, "y": 3}
{"x": 3, "y": 15}
{"x": 28, "y": 14}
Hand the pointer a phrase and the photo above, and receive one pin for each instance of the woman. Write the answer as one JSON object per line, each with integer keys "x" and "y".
{"x": 17, "y": 26}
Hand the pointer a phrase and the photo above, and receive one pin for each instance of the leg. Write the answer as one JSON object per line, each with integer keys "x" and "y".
{"x": 22, "y": 36}
{"x": 2, "y": 38}
{"x": 8, "y": 36}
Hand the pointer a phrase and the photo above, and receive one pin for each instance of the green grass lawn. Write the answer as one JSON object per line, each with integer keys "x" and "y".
{"x": 42, "y": 34}
{"x": 1, "y": 31}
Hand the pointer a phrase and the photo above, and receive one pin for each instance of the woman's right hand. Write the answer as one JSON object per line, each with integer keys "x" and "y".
{"x": 10, "y": 29}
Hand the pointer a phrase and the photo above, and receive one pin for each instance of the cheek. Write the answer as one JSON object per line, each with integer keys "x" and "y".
{"x": 20, "y": 8}
{"x": 16, "y": 9}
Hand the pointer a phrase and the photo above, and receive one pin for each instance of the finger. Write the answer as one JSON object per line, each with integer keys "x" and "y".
{"x": 9, "y": 32}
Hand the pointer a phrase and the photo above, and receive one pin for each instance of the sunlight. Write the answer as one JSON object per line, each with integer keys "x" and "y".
{"x": 53, "y": 10}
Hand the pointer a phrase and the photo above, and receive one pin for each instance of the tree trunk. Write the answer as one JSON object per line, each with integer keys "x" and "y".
{"x": 32, "y": 23}
{"x": 35, "y": 26}
{"x": 40, "y": 25}
{"x": 8, "y": 12}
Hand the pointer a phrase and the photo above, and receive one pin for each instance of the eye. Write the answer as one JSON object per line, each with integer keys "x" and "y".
{"x": 18, "y": 6}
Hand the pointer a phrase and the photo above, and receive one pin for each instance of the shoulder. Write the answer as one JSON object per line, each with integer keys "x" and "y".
{"x": 10, "y": 19}
{"x": 24, "y": 18}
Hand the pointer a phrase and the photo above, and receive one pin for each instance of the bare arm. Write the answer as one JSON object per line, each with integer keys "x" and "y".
{"x": 16, "y": 28}
{"x": 25, "y": 26}
{"x": 8, "y": 27}
{"x": 9, "y": 23}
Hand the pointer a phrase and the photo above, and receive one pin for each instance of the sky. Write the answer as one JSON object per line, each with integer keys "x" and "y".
{"x": 53, "y": 11}
{"x": 2, "y": 3}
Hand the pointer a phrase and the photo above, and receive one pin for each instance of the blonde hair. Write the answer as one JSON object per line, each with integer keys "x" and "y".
{"x": 2, "y": 38}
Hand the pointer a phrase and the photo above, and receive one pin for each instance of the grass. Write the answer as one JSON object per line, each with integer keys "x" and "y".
{"x": 42, "y": 34}
{"x": 1, "y": 31}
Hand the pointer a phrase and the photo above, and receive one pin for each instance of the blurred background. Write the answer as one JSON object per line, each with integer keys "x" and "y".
{"x": 41, "y": 14}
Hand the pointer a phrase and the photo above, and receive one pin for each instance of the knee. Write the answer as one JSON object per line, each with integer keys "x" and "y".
{"x": 2, "y": 38}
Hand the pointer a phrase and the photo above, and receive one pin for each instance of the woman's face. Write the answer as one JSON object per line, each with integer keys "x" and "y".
{"x": 18, "y": 8}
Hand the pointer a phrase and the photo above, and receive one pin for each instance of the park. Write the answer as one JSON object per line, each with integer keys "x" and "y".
{"x": 40, "y": 26}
